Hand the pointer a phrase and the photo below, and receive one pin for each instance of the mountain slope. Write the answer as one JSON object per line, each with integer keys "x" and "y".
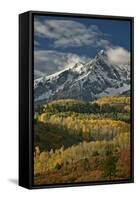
{"x": 84, "y": 81}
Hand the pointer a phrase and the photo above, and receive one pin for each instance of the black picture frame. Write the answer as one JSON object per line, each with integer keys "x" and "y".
{"x": 26, "y": 78}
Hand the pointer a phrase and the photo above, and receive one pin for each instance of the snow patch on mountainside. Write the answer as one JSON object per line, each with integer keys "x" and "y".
{"x": 115, "y": 91}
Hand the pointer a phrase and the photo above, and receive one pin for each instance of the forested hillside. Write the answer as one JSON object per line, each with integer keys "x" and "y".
{"x": 82, "y": 141}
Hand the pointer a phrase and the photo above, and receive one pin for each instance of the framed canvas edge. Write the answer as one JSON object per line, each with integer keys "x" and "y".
{"x": 81, "y": 15}
{"x": 31, "y": 103}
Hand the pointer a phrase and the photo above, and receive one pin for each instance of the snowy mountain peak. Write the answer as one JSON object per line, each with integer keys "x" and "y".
{"x": 88, "y": 81}
{"x": 102, "y": 54}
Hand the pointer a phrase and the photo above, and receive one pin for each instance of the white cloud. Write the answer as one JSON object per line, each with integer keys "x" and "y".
{"x": 104, "y": 43}
{"x": 118, "y": 55}
{"x": 36, "y": 43}
{"x": 49, "y": 62}
{"x": 68, "y": 33}
{"x": 37, "y": 74}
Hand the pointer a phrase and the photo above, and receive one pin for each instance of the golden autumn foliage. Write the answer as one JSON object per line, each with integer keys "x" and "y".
{"x": 90, "y": 127}
{"x": 76, "y": 140}
{"x": 113, "y": 100}
{"x": 62, "y": 157}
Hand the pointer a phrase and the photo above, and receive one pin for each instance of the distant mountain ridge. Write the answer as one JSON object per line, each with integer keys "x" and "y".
{"x": 96, "y": 78}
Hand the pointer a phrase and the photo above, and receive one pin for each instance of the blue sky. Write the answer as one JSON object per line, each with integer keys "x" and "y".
{"x": 61, "y": 41}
